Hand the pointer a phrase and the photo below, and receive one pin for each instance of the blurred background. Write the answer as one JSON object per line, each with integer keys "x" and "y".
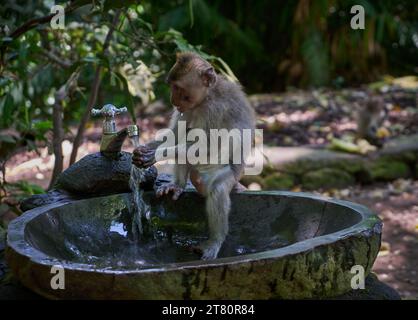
{"x": 311, "y": 78}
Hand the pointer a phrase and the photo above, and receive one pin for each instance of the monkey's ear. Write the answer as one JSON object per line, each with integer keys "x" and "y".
{"x": 209, "y": 77}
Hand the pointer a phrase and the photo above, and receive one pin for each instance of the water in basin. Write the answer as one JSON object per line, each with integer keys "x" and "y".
{"x": 99, "y": 231}
{"x": 280, "y": 245}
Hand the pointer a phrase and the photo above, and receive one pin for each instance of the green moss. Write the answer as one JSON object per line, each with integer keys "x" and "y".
{"x": 327, "y": 178}
{"x": 301, "y": 166}
{"x": 268, "y": 170}
{"x": 351, "y": 166}
{"x": 279, "y": 181}
{"x": 386, "y": 169}
{"x": 184, "y": 226}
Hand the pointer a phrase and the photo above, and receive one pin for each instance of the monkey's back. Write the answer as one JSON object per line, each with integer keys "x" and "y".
{"x": 229, "y": 107}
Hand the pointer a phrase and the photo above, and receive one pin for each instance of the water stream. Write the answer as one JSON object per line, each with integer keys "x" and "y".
{"x": 140, "y": 208}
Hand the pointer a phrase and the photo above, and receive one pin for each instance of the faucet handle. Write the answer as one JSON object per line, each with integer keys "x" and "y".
{"x": 109, "y": 111}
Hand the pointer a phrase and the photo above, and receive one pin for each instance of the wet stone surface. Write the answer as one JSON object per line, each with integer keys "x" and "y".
{"x": 96, "y": 174}
{"x": 272, "y": 237}
{"x": 10, "y": 288}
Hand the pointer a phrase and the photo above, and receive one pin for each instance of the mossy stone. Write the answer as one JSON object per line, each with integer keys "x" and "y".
{"x": 386, "y": 169}
{"x": 327, "y": 178}
{"x": 279, "y": 181}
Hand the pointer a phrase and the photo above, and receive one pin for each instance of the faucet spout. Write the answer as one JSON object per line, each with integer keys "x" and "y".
{"x": 112, "y": 140}
{"x": 111, "y": 145}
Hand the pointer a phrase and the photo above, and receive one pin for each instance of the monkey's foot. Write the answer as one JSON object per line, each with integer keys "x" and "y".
{"x": 209, "y": 249}
{"x": 239, "y": 187}
{"x": 170, "y": 187}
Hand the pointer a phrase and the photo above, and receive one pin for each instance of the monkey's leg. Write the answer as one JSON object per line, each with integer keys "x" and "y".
{"x": 218, "y": 205}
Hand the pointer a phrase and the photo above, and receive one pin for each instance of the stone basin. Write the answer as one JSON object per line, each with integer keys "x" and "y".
{"x": 280, "y": 245}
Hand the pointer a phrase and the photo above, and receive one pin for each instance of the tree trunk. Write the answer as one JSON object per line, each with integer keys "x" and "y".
{"x": 57, "y": 123}
{"x": 93, "y": 95}
{"x": 58, "y": 135}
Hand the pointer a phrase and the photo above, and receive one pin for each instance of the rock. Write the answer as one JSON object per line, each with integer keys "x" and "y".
{"x": 56, "y": 195}
{"x": 247, "y": 180}
{"x": 93, "y": 175}
{"x": 374, "y": 290}
{"x": 327, "y": 178}
{"x": 386, "y": 169}
{"x": 279, "y": 181}
{"x": 167, "y": 178}
{"x": 39, "y": 200}
{"x": 401, "y": 145}
{"x": 96, "y": 174}
{"x": 299, "y": 160}
{"x": 254, "y": 186}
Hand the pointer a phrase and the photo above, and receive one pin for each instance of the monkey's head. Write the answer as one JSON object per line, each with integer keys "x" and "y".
{"x": 190, "y": 79}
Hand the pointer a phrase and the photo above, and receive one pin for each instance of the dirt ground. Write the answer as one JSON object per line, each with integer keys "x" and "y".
{"x": 397, "y": 263}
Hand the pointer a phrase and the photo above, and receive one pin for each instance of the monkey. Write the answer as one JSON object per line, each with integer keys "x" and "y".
{"x": 205, "y": 100}
{"x": 369, "y": 117}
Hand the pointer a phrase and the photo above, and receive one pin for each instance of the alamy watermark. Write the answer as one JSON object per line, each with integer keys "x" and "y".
{"x": 357, "y": 281}
{"x": 58, "y": 20}
{"x": 58, "y": 280}
{"x": 221, "y": 147}
{"x": 357, "y": 21}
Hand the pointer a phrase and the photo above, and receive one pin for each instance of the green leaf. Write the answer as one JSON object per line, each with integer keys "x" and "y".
{"x": 191, "y": 13}
{"x": 43, "y": 125}
{"x": 29, "y": 188}
{"x": 6, "y": 110}
{"x": 7, "y": 139}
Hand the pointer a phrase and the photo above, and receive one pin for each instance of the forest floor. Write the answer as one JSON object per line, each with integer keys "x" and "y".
{"x": 397, "y": 205}
{"x": 296, "y": 118}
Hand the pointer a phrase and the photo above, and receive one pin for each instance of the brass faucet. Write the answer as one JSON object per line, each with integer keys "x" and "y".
{"x": 112, "y": 140}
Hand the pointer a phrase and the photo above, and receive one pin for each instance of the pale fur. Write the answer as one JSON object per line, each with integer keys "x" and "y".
{"x": 225, "y": 107}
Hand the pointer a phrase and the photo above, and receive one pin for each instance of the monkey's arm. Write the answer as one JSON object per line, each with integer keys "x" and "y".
{"x": 144, "y": 156}
{"x": 147, "y": 155}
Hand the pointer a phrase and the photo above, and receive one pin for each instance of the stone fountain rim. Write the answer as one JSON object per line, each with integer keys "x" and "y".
{"x": 17, "y": 244}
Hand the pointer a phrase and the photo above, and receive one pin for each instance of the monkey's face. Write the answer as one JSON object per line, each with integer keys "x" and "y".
{"x": 190, "y": 79}
{"x": 187, "y": 92}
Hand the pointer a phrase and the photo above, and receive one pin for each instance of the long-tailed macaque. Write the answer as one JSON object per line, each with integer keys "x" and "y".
{"x": 370, "y": 116}
{"x": 205, "y": 100}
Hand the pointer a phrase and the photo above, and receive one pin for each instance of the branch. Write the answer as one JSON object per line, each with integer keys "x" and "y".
{"x": 57, "y": 118}
{"x": 36, "y": 22}
{"x": 93, "y": 94}
{"x": 63, "y": 63}
{"x": 29, "y": 25}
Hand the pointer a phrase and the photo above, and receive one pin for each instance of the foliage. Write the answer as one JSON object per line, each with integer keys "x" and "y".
{"x": 268, "y": 44}
{"x": 37, "y": 60}
{"x": 273, "y": 44}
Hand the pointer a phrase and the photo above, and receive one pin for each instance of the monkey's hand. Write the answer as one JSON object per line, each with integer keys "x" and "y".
{"x": 170, "y": 187}
{"x": 143, "y": 156}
